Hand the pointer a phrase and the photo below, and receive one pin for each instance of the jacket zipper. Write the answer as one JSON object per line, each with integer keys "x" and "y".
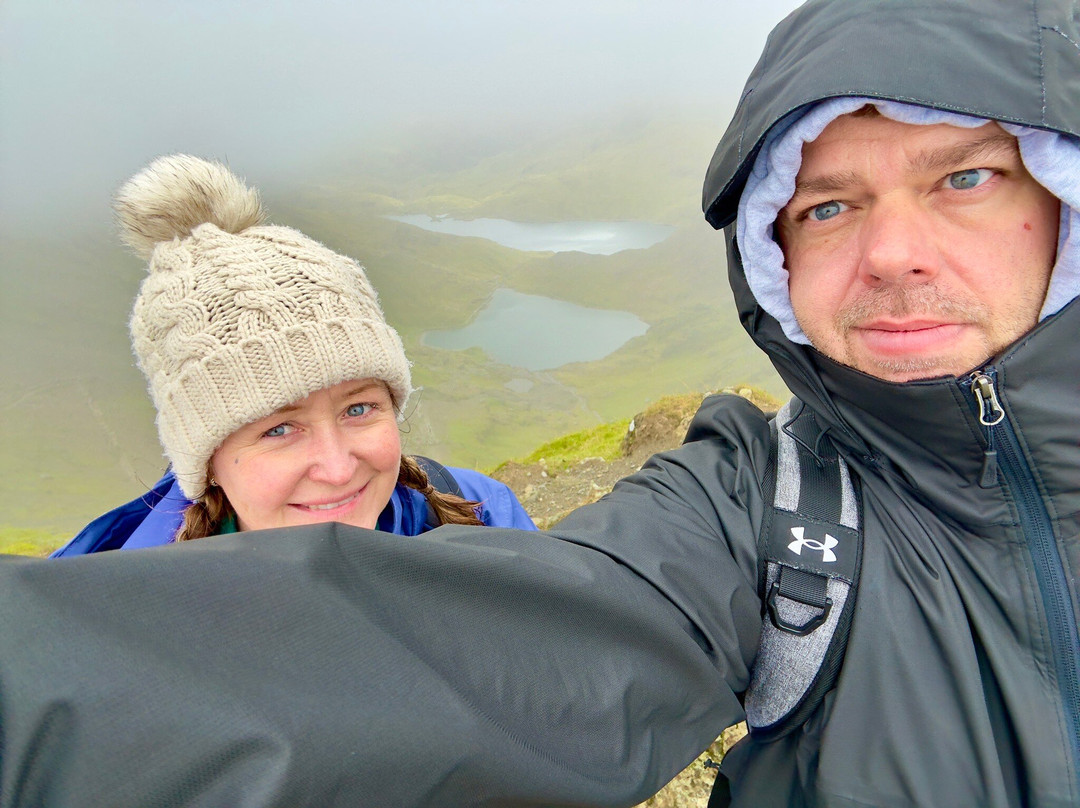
{"x": 1035, "y": 523}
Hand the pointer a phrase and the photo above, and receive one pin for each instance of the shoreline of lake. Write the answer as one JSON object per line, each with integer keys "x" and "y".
{"x": 539, "y": 333}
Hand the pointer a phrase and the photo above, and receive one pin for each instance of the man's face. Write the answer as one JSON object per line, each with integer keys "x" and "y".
{"x": 916, "y": 251}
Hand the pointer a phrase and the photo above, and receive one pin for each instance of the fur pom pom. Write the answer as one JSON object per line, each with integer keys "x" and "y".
{"x": 177, "y": 193}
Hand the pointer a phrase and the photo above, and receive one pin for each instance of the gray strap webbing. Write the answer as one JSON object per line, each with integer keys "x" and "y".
{"x": 811, "y": 548}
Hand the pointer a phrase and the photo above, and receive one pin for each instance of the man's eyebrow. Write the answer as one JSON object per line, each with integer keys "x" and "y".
{"x": 966, "y": 155}
{"x": 825, "y": 183}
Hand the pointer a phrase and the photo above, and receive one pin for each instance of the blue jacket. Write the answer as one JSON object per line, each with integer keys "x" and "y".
{"x": 154, "y": 518}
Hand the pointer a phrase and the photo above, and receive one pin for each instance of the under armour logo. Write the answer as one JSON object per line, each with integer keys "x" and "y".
{"x": 825, "y": 547}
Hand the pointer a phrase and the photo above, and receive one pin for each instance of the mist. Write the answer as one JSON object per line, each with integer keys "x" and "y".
{"x": 91, "y": 91}
{"x": 346, "y": 116}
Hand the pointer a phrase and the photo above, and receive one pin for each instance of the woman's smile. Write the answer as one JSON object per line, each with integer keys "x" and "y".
{"x": 329, "y": 506}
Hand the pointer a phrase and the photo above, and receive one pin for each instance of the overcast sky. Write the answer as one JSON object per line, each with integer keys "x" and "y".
{"x": 90, "y": 90}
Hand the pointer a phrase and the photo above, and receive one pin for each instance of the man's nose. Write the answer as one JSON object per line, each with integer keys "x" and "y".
{"x": 332, "y": 458}
{"x": 897, "y": 243}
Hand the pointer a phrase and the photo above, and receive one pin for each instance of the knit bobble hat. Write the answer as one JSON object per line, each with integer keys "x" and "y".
{"x": 237, "y": 318}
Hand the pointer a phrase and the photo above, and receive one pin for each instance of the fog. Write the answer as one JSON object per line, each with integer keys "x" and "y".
{"x": 90, "y": 91}
{"x": 343, "y": 112}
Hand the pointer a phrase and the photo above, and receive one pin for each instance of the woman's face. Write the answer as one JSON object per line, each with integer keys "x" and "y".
{"x": 331, "y": 457}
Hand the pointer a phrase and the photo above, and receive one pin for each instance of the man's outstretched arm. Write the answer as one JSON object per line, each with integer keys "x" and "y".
{"x": 332, "y": 665}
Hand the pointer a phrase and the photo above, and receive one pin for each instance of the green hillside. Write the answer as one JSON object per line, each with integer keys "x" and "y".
{"x": 81, "y": 435}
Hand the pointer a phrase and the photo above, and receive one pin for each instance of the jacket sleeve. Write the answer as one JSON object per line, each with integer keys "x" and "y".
{"x": 148, "y": 520}
{"x": 337, "y": 666}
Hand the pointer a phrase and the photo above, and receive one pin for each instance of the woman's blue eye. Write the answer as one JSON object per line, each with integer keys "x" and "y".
{"x": 969, "y": 178}
{"x": 356, "y": 410}
{"x": 275, "y": 432}
{"x": 825, "y": 211}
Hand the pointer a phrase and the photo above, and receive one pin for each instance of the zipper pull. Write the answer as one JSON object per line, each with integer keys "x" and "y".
{"x": 988, "y": 478}
{"x": 990, "y": 413}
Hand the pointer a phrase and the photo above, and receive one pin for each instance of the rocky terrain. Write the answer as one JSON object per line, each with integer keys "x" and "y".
{"x": 551, "y": 488}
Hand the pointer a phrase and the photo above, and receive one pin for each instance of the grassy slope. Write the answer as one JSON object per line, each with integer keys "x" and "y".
{"x": 79, "y": 428}
{"x": 83, "y": 437}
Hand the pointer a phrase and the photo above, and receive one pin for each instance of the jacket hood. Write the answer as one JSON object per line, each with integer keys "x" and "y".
{"x": 1013, "y": 61}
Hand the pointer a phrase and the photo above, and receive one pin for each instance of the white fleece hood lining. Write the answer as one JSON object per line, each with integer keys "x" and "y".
{"x": 1051, "y": 158}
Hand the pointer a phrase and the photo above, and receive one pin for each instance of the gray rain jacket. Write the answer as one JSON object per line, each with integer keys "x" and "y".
{"x": 961, "y": 684}
{"x": 585, "y": 666}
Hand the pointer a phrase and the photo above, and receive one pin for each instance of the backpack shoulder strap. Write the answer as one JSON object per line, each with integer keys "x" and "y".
{"x": 441, "y": 480}
{"x": 810, "y": 552}
{"x": 439, "y": 475}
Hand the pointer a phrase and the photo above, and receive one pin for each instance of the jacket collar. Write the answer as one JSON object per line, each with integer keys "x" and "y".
{"x": 926, "y": 435}
{"x": 405, "y": 513}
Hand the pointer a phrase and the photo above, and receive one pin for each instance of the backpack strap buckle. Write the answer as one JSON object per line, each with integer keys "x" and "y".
{"x": 806, "y": 588}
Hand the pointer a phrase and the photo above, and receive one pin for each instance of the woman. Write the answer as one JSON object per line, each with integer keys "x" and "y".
{"x": 277, "y": 382}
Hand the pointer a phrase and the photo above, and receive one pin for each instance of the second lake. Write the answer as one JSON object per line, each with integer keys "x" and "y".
{"x": 540, "y": 333}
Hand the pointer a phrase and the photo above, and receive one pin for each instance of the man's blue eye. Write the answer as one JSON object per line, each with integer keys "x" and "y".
{"x": 968, "y": 178}
{"x": 357, "y": 410}
{"x": 826, "y": 210}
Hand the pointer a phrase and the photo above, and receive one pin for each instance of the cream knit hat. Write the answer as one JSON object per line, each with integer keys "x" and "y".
{"x": 236, "y": 318}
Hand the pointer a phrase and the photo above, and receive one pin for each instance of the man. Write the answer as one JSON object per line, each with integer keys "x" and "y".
{"x": 911, "y": 270}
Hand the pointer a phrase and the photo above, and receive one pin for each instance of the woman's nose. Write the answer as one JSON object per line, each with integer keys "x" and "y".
{"x": 332, "y": 459}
